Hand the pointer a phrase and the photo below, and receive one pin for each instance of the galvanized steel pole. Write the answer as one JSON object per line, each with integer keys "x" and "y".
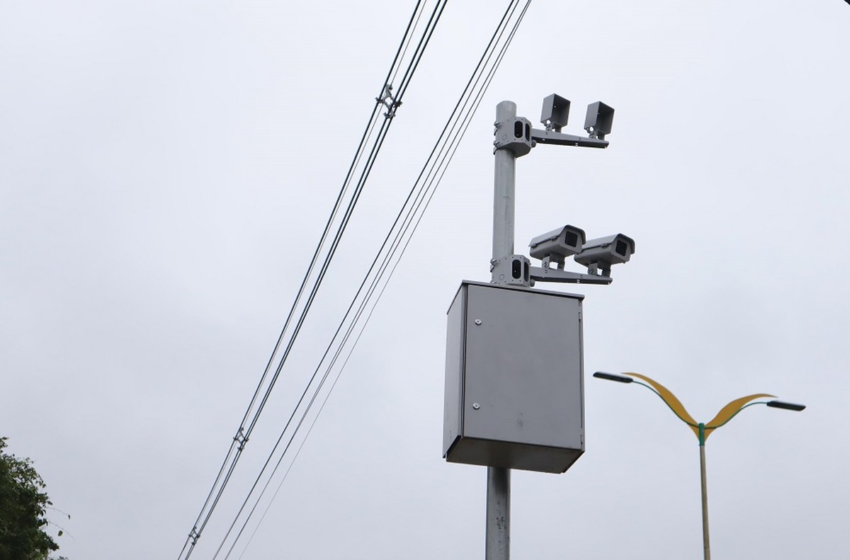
{"x": 504, "y": 187}
{"x": 498, "y": 535}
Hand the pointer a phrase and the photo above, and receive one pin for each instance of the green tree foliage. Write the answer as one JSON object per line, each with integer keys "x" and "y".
{"x": 23, "y": 504}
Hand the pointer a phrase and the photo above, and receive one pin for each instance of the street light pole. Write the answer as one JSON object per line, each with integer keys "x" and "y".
{"x": 702, "y": 430}
{"x": 706, "y": 543}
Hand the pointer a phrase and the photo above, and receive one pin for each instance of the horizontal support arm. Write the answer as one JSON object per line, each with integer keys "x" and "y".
{"x": 560, "y": 139}
{"x": 554, "y": 275}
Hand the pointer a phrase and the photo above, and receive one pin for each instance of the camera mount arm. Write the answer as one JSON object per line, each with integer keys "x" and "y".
{"x": 560, "y": 139}
{"x": 539, "y": 274}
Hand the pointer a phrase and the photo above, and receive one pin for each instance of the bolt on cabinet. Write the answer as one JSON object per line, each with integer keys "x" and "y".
{"x": 514, "y": 394}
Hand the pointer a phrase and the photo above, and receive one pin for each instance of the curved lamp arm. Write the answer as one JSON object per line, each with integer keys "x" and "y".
{"x": 702, "y": 431}
{"x": 732, "y": 409}
{"x": 669, "y": 399}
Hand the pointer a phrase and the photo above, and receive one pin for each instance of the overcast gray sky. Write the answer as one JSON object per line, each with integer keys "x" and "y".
{"x": 165, "y": 172}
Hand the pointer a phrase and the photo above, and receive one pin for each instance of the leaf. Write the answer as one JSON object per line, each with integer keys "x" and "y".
{"x": 60, "y": 533}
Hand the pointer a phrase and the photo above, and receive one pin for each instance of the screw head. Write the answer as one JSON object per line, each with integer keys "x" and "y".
{"x": 478, "y": 322}
{"x": 476, "y": 406}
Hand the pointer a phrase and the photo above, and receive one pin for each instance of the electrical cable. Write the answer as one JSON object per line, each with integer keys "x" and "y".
{"x": 242, "y": 435}
{"x": 423, "y": 44}
{"x": 432, "y": 185}
{"x": 408, "y": 37}
{"x": 464, "y": 126}
{"x": 357, "y": 192}
{"x": 355, "y": 197}
{"x": 335, "y": 243}
{"x": 297, "y": 330}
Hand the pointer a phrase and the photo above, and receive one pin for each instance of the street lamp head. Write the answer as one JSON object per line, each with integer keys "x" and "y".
{"x": 613, "y": 377}
{"x": 786, "y": 405}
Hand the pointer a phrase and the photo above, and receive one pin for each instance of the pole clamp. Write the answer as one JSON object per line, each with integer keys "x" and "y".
{"x": 512, "y": 270}
{"x": 514, "y": 135}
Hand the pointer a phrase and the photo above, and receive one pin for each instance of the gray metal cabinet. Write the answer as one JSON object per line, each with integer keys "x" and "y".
{"x": 514, "y": 390}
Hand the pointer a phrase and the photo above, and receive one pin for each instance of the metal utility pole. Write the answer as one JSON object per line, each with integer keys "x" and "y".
{"x": 498, "y": 531}
{"x": 506, "y": 407}
{"x": 504, "y": 186}
{"x": 498, "y": 535}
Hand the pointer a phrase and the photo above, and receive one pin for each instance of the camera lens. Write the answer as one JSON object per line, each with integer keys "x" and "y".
{"x": 622, "y": 248}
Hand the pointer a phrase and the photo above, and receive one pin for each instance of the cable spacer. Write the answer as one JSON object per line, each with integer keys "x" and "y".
{"x": 240, "y": 437}
{"x": 388, "y": 101}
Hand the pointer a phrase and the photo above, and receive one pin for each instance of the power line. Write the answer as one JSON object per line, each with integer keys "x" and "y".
{"x": 243, "y": 433}
{"x": 431, "y": 177}
{"x": 458, "y": 127}
{"x": 370, "y": 161}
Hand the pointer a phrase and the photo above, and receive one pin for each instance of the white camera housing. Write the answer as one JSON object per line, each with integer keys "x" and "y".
{"x": 557, "y": 244}
{"x": 602, "y": 253}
